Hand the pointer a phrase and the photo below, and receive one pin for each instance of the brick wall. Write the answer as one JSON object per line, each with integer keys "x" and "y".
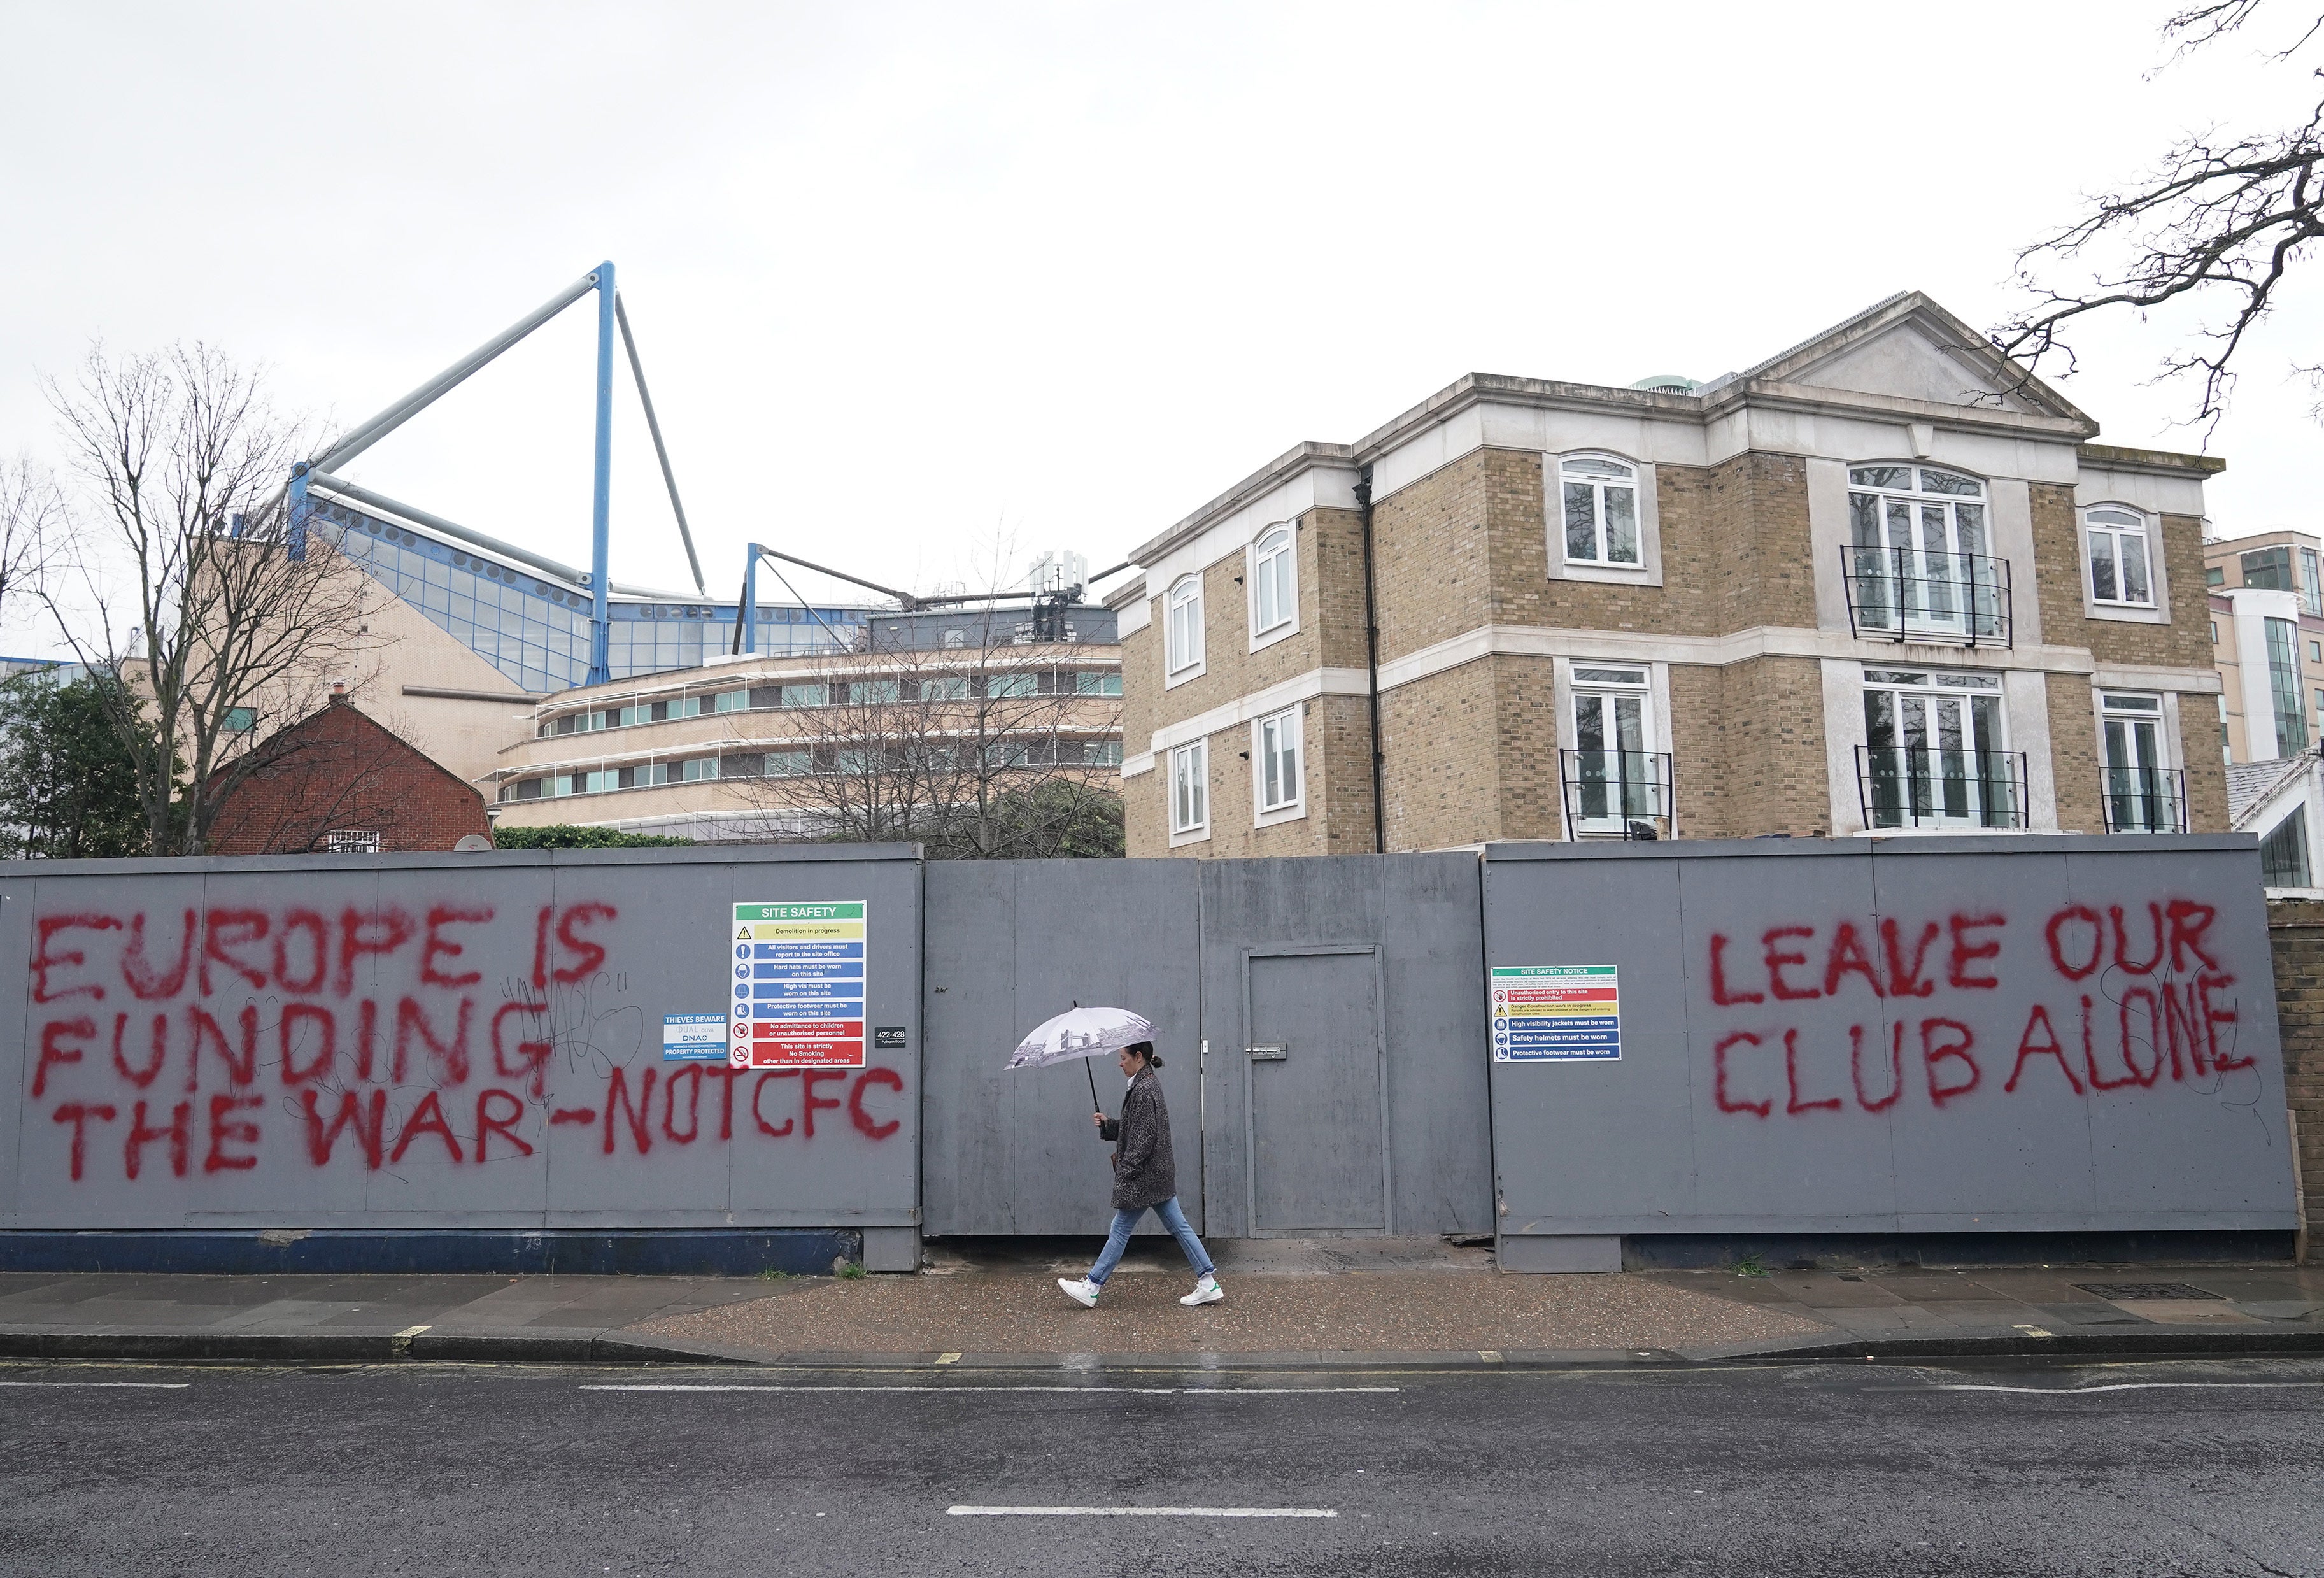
{"x": 339, "y": 770}
{"x": 1706, "y": 797}
{"x": 2074, "y": 753}
{"x": 1434, "y": 572}
{"x": 2207, "y": 768}
{"x": 1442, "y": 770}
{"x": 1759, "y": 555}
{"x": 1146, "y": 812}
{"x": 1772, "y": 748}
{"x": 2184, "y": 642}
{"x": 1339, "y": 772}
{"x": 1524, "y": 716}
{"x": 2296, "y": 931}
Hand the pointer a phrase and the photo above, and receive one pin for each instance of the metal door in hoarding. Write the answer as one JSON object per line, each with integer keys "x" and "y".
{"x": 1315, "y": 1134}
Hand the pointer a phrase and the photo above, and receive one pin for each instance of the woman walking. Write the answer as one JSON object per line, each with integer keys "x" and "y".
{"x": 1145, "y": 1178}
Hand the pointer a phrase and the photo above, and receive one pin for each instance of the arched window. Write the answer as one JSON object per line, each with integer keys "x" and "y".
{"x": 2116, "y": 539}
{"x": 1601, "y": 510}
{"x": 1183, "y": 631}
{"x": 1274, "y": 593}
{"x": 1921, "y": 553}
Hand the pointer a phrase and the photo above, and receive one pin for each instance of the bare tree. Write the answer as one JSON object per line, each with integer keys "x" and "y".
{"x": 31, "y": 528}
{"x": 224, "y": 620}
{"x": 992, "y": 749}
{"x": 2223, "y": 220}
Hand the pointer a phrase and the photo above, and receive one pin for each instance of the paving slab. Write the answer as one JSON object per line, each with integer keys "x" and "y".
{"x": 1291, "y": 1302}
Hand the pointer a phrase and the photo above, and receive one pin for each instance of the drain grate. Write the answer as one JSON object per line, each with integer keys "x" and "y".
{"x": 2145, "y": 1290}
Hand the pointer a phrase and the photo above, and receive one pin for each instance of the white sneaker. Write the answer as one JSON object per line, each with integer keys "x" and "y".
{"x": 1206, "y": 1291}
{"x": 1080, "y": 1289}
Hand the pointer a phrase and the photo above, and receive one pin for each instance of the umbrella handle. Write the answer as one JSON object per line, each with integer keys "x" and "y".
{"x": 1093, "y": 1085}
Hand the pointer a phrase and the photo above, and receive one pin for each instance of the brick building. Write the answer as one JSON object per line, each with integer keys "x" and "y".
{"x": 341, "y": 783}
{"x": 1881, "y": 581}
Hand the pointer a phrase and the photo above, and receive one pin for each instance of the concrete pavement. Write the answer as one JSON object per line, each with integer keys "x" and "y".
{"x": 1290, "y": 1303}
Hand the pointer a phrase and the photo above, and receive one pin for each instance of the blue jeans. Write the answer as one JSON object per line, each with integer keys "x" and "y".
{"x": 1117, "y": 1241}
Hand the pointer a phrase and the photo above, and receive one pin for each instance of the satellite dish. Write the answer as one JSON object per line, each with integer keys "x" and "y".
{"x": 472, "y": 843}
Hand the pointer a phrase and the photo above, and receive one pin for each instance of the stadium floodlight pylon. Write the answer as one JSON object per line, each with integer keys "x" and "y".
{"x": 319, "y": 469}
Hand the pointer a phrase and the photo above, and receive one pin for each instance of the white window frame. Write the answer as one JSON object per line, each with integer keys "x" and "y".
{"x": 352, "y": 841}
{"x": 2107, "y": 521}
{"x": 1588, "y": 679}
{"x": 1190, "y": 761}
{"x": 1277, "y": 727}
{"x": 1182, "y": 628}
{"x": 1598, "y": 484}
{"x": 1648, "y": 570}
{"x": 1942, "y": 575}
{"x": 1273, "y": 560}
{"x": 2164, "y": 715}
{"x": 2156, "y": 610}
{"x": 1941, "y": 683}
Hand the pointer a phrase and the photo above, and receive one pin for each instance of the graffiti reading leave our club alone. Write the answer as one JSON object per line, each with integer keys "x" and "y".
{"x": 1857, "y": 1015}
{"x": 232, "y": 1040}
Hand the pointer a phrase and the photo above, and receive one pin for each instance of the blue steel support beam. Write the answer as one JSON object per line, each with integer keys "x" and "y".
{"x": 600, "y": 515}
{"x": 751, "y": 599}
{"x": 295, "y": 531}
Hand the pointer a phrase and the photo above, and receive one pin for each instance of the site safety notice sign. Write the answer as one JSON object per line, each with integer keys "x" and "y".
{"x": 1556, "y": 1013}
{"x": 799, "y": 986}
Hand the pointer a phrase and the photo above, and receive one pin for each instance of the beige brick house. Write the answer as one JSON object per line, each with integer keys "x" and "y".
{"x": 1884, "y": 581}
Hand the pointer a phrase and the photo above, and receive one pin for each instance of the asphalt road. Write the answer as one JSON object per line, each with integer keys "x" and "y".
{"x": 2194, "y": 1468}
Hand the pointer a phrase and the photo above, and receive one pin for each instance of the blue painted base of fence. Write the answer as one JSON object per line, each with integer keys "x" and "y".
{"x": 569, "y": 1252}
{"x": 1800, "y": 1251}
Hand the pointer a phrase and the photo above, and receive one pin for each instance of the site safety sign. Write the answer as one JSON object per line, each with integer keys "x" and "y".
{"x": 1556, "y": 1013}
{"x": 799, "y": 986}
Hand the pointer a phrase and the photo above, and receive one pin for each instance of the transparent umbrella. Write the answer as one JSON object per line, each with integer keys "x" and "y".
{"x": 1084, "y": 1033}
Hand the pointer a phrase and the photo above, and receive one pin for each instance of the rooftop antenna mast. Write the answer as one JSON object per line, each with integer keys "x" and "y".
{"x": 318, "y": 470}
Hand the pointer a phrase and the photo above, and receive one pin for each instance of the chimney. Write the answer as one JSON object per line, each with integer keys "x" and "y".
{"x": 338, "y": 691}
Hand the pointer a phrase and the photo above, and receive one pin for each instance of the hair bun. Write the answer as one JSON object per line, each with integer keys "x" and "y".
{"x": 1153, "y": 1060}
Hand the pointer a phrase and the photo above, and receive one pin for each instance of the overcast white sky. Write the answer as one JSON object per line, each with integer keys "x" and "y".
{"x": 907, "y": 276}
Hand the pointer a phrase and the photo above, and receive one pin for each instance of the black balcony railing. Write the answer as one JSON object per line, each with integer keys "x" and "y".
{"x": 1917, "y": 594}
{"x": 1619, "y": 794}
{"x": 2144, "y": 799}
{"x": 1908, "y": 786}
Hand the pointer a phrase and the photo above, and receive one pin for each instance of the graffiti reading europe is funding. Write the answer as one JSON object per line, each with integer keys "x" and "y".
{"x": 2124, "y": 1000}
{"x": 228, "y": 1040}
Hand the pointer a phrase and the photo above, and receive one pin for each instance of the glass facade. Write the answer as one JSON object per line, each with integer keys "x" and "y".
{"x": 2284, "y": 853}
{"x": 536, "y": 630}
{"x": 2284, "y": 683}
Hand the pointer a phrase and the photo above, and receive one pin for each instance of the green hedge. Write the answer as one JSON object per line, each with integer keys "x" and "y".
{"x": 570, "y": 837}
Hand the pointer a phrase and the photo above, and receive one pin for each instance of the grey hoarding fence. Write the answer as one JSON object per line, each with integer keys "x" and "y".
{"x": 338, "y": 1061}
{"x": 1319, "y": 1023}
{"x": 1913, "y": 1036}
{"x": 499, "y": 1043}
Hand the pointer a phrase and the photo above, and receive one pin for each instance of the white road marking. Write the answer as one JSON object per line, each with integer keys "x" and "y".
{"x": 157, "y": 1386}
{"x": 1141, "y": 1512}
{"x": 2127, "y": 1386}
{"x": 1153, "y": 1391}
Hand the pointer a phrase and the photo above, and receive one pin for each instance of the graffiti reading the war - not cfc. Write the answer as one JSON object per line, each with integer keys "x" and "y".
{"x": 224, "y": 1040}
{"x": 1858, "y": 1015}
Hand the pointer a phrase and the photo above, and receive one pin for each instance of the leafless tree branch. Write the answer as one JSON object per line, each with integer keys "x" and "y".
{"x": 31, "y": 528}
{"x": 2221, "y": 220}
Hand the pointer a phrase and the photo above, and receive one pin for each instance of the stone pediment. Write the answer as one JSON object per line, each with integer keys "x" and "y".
{"x": 1908, "y": 347}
